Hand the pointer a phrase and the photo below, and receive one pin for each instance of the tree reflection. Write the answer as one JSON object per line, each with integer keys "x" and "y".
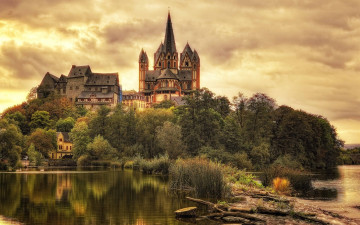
{"x": 116, "y": 197}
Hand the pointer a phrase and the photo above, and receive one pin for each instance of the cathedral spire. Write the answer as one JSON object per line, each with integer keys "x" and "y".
{"x": 169, "y": 42}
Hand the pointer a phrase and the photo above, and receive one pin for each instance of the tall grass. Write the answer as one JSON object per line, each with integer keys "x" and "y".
{"x": 157, "y": 165}
{"x": 201, "y": 176}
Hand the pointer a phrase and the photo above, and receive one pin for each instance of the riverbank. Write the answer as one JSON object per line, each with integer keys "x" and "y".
{"x": 255, "y": 206}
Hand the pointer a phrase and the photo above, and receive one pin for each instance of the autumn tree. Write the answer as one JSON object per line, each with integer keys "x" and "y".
{"x": 40, "y": 119}
{"x": 169, "y": 139}
{"x": 43, "y": 140}
{"x": 100, "y": 149}
{"x": 11, "y": 141}
{"x": 65, "y": 125}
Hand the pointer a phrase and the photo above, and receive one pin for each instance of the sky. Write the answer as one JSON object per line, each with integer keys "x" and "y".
{"x": 303, "y": 53}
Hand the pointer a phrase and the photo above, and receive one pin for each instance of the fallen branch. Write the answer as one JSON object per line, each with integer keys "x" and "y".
{"x": 236, "y": 214}
{"x": 210, "y": 204}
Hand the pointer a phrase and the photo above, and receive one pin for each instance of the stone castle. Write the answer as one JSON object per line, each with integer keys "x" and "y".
{"x": 172, "y": 78}
{"x": 83, "y": 87}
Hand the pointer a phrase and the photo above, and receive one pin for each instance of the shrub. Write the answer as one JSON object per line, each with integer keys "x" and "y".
{"x": 157, "y": 165}
{"x": 129, "y": 164}
{"x": 201, "y": 176}
{"x": 84, "y": 160}
{"x": 242, "y": 161}
{"x": 281, "y": 185}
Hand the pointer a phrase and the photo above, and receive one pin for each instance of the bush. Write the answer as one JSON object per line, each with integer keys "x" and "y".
{"x": 156, "y": 165}
{"x": 299, "y": 180}
{"x": 84, "y": 160}
{"x": 201, "y": 176}
{"x": 242, "y": 161}
{"x": 281, "y": 185}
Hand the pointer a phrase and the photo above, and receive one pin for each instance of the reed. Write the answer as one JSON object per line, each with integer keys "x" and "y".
{"x": 203, "y": 177}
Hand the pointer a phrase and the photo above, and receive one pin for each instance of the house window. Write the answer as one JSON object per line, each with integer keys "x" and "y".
{"x": 168, "y": 64}
{"x": 67, "y": 148}
{"x": 70, "y": 148}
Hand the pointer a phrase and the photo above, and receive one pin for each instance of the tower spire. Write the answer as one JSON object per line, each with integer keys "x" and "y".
{"x": 169, "y": 42}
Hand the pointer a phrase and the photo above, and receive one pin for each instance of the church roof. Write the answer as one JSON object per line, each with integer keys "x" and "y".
{"x": 169, "y": 42}
{"x": 158, "y": 52}
{"x": 187, "y": 50}
{"x": 167, "y": 74}
{"x": 152, "y": 75}
{"x": 76, "y": 71}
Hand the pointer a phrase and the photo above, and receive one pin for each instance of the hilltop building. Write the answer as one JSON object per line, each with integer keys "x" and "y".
{"x": 83, "y": 87}
{"x": 172, "y": 76}
{"x": 133, "y": 100}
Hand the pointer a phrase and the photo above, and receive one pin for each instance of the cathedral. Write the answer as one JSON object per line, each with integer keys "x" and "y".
{"x": 172, "y": 76}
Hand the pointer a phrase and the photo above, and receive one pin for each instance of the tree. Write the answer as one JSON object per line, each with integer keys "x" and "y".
{"x": 20, "y": 120}
{"x": 101, "y": 149}
{"x": 35, "y": 157}
{"x": 169, "y": 139}
{"x": 43, "y": 140}
{"x": 11, "y": 141}
{"x": 147, "y": 122}
{"x": 164, "y": 104}
{"x": 99, "y": 123}
{"x": 40, "y": 119}
{"x": 80, "y": 138}
{"x": 65, "y": 125}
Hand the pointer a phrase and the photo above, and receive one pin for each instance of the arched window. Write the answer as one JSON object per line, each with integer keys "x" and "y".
{"x": 168, "y": 56}
{"x": 167, "y": 83}
{"x": 186, "y": 63}
{"x": 159, "y": 63}
{"x": 168, "y": 64}
{"x": 174, "y": 64}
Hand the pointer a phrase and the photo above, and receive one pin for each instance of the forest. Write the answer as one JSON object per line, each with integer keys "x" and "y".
{"x": 250, "y": 133}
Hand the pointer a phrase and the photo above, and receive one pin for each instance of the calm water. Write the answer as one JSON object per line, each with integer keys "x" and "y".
{"x": 87, "y": 197}
{"x": 337, "y": 190}
{"x": 127, "y": 197}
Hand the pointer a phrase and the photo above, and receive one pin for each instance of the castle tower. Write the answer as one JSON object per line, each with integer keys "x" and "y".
{"x": 143, "y": 67}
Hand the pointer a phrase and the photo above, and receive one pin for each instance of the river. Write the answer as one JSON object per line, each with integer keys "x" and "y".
{"x": 336, "y": 190}
{"x": 74, "y": 196}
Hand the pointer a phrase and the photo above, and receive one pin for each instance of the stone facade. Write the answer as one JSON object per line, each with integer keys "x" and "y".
{"x": 83, "y": 87}
{"x": 172, "y": 76}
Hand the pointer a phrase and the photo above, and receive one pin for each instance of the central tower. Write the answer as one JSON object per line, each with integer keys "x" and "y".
{"x": 171, "y": 77}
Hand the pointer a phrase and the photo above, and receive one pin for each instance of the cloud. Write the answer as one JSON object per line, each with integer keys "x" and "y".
{"x": 303, "y": 53}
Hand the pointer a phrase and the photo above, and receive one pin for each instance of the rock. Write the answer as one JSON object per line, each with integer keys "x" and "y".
{"x": 186, "y": 212}
{"x": 233, "y": 219}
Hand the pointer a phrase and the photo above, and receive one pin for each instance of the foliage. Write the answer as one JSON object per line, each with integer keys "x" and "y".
{"x": 11, "y": 142}
{"x": 169, "y": 138}
{"x": 80, "y": 138}
{"x": 157, "y": 165}
{"x": 35, "y": 157}
{"x": 43, "y": 140}
{"x": 281, "y": 185}
{"x": 65, "y": 125}
{"x": 164, "y": 104}
{"x": 201, "y": 176}
{"x": 98, "y": 124}
{"x": 40, "y": 119}
{"x": 242, "y": 161}
{"x": 100, "y": 149}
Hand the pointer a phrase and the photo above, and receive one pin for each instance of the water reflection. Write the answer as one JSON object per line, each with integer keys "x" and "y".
{"x": 106, "y": 197}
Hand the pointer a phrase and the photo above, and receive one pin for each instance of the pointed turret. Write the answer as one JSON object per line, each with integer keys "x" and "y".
{"x": 143, "y": 58}
{"x": 169, "y": 43}
{"x": 187, "y": 50}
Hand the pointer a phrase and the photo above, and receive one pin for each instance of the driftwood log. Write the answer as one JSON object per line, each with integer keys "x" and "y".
{"x": 228, "y": 214}
{"x": 186, "y": 212}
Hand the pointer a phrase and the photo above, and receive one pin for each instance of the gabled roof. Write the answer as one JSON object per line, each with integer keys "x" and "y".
{"x": 63, "y": 78}
{"x": 195, "y": 57}
{"x": 152, "y": 75}
{"x": 102, "y": 79}
{"x": 169, "y": 41}
{"x": 76, "y": 71}
{"x": 178, "y": 100}
{"x": 187, "y": 50}
{"x": 55, "y": 78}
{"x": 65, "y": 135}
{"x": 167, "y": 74}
